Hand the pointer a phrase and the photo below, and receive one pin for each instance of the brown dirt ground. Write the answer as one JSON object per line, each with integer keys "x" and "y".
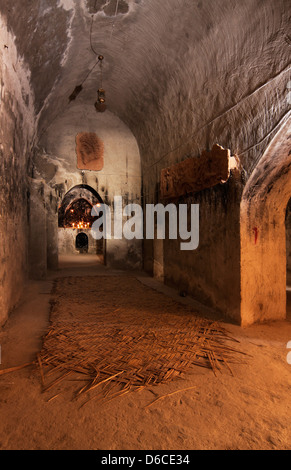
{"x": 251, "y": 410}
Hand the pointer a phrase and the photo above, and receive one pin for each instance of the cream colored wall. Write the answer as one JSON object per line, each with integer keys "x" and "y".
{"x": 120, "y": 176}
{"x": 17, "y": 125}
{"x": 263, "y": 211}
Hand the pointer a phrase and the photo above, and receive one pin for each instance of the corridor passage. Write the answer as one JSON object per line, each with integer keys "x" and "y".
{"x": 117, "y": 372}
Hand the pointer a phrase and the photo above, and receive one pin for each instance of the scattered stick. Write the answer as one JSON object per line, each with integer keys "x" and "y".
{"x": 170, "y": 394}
{"x": 14, "y": 369}
{"x": 53, "y": 398}
{"x": 100, "y": 383}
{"x": 57, "y": 381}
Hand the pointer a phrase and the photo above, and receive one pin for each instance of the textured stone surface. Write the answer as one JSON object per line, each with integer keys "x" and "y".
{"x": 67, "y": 242}
{"x": 263, "y": 235}
{"x": 38, "y": 232}
{"x": 41, "y": 38}
{"x": 120, "y": 176}
{"x": 16, "y": 131}
{"x": 211, "y": 274}
{"x": 179, "y": 76}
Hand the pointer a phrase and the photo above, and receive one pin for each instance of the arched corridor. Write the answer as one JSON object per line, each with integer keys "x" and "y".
{"x": 145, "y": 225}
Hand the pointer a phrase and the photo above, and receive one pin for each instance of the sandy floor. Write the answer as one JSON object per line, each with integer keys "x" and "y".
{"x": 251, "y": 410}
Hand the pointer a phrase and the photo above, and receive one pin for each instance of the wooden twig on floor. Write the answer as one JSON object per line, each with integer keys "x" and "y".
{"x": 170, "y": 394}
{"x": 14, "y": 369}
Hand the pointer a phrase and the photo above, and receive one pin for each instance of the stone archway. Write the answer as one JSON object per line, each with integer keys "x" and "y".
{"x": 80, "y": 191}
{"x": 263, "y": 240}
{"x": 75, "y": 222}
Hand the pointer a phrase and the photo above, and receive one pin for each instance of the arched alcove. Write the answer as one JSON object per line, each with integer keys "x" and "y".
{"x": 78, "y": 192}
{"x": 78, "y": 213}
{"x": 75, "y": 222}
{"x": 263, "y": 234}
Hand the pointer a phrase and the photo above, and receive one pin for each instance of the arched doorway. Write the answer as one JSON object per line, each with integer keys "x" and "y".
{"x": 75, "y": 222}
{"x": 263, "y": 234}
{"x": 82, "y": 242}
{"x": 80, "y": 191}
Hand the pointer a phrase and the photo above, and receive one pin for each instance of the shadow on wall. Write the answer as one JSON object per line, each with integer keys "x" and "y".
{"x": 288, "y": 242}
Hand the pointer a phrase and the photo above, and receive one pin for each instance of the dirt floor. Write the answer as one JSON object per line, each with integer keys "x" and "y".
{"x": 250, "y": 410}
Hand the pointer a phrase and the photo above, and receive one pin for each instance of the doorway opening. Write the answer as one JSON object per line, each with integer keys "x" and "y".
{"x": 82, "y": 242}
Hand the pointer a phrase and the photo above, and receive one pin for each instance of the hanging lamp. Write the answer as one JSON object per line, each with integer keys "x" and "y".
{"x": 100, "y": 104}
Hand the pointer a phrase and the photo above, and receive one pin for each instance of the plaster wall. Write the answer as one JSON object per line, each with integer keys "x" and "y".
{"x": 263, "y": 234}
{"x": 67, "y": 242}
{"x": 211, "y": 273}
{"x": 16, "y": 133}
{"x": 181, "y": 76}
{"x": 288, "y": 242}
{"x": 228, "y": 95}
{"x": 37, "y": 244}
{"x": 56, "y": 161}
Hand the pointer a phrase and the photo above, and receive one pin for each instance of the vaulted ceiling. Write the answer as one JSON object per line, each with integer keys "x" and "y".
{"x": 170, "y": 67}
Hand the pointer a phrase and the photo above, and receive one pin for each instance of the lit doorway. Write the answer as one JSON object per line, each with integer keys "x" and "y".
{"x": 76, "y": 245}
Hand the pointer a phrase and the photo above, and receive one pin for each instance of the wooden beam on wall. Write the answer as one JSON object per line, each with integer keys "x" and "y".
{"x": 195, "y": 174}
